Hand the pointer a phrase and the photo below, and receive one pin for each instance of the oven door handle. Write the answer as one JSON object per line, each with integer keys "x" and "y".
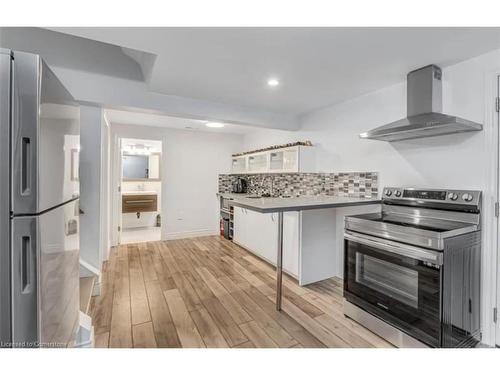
{"x": 409, "y": 251}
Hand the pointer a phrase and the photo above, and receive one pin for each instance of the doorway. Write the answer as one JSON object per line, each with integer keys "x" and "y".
{"x": 140, "y": 187}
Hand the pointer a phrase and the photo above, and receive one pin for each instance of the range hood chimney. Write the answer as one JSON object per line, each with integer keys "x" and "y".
{"x": 424, "y": 111}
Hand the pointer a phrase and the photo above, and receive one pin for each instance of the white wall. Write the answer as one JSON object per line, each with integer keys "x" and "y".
{"x": 456, "y": 161}
{"x": 91, "y": 220}
{"x": 440, "y": 161}
{"x": 190, "y": 167}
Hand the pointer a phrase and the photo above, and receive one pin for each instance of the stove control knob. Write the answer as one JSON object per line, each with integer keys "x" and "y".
{"x": 398, "y": 193}
{"x": 453, "y": 196}
{"x": 388, "y": 192}
{"x": 467, "y": 197}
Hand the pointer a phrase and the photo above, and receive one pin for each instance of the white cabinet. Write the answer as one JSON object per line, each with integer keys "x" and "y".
{"x": 258, "y": 233}
{"x": 312, "y": 240}
{"x": 257, "y": 163}
{"x": 239, "y": 229}
{"x": 239, "y": 164}
{"x": 291, "y": 242}
{"x": 284, "y": 160}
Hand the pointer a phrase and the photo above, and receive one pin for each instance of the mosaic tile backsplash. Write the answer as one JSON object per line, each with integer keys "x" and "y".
{"x": 347, "y": 184}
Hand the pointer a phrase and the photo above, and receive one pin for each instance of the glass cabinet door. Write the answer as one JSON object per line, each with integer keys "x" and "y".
{"x": 239, "y": 165}
{"x": 284, "y": 160}
{"x": 290, "y": 160}
{"x": 276, "y": 161}
{"x": 257, "y": 163}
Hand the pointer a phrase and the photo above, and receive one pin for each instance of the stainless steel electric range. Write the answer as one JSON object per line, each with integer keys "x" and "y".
{"x": 412, "y": 271}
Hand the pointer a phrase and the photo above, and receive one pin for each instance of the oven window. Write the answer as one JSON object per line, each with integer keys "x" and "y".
{"x": 393, "y": 280}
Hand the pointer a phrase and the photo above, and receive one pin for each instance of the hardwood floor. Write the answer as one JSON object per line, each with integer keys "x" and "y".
{"x": 209, "y": 292}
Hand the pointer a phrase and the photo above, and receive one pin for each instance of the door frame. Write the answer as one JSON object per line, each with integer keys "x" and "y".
{"x": 116, "y": 173}
{"x": 490, "y": 287}
{"x": 115, "y": 191}
{"x": 496, "y": 123}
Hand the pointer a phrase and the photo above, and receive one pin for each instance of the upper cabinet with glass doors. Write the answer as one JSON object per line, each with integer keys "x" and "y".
{"x": 239, "y": 164}
{"x": 283, "y": 160}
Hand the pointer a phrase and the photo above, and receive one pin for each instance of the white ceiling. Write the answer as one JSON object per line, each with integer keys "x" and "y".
{"x": 149, "y": 119}
{"x": 316, "y": 66}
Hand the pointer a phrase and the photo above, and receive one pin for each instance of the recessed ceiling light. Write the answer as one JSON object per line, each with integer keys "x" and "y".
{"x": 273, "y": 82}
{"x": 214, "y": 124}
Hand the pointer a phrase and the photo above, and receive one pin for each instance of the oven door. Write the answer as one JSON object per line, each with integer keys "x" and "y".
{"x": 398, "y": 283}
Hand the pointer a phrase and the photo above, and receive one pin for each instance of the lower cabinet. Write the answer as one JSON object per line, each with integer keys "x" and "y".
{"x": 312, "y": 240}
{"x": 258, "y": 233}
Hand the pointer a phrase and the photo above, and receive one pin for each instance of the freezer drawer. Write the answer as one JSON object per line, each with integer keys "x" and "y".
{"x": 44, "y": 138}
{"x": 25, "y": 264}
{"x": 45, "y": 268}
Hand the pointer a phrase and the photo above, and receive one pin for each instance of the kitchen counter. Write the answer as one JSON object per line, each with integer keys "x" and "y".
{"x": 269, "y": 205}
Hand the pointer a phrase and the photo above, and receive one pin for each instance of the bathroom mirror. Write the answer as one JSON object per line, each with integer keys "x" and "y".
{"x": 141, "y": 167}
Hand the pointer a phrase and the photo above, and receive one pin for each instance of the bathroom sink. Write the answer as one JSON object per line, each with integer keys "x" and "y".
{"x": 139, "y": 192}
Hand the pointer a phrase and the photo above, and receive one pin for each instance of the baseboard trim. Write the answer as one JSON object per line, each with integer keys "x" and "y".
{"x": 87, "y": 270}
{"x": 191, "y": 234}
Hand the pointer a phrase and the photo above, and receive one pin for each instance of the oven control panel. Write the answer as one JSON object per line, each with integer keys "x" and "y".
{"x": 462, "y": 197}
{"x": 425, "y": 194}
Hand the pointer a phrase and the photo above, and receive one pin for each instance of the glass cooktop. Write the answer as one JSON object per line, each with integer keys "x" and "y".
{"x": 414, "y": 222}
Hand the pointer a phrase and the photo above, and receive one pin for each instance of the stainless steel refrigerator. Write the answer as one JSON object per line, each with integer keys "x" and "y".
{"x": 39, "y": 214}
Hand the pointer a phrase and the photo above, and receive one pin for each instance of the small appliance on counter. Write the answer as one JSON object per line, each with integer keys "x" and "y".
{"x": 240, "y": 185}
{"x": 412, "y": 271}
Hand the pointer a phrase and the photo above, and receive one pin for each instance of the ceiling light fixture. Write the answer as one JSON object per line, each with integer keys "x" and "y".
{"x": 214, "y": 124}
{"x": 273, "y": 82}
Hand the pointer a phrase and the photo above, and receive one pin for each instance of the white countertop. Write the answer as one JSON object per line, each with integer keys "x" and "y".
{"x": 140, "y": 192}
{"x": 232, "y": 195}
{"x": 268, "y": 205}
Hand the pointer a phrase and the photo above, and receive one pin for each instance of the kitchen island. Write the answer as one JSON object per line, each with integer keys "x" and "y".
{"x": 281, "y": 205}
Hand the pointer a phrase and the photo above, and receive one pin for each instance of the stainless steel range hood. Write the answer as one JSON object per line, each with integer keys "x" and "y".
{"x": 424, "y": 106}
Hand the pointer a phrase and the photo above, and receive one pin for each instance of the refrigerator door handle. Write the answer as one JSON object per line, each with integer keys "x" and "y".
{"x": 25, "y": 174}
{"x": 25, "y": 264}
